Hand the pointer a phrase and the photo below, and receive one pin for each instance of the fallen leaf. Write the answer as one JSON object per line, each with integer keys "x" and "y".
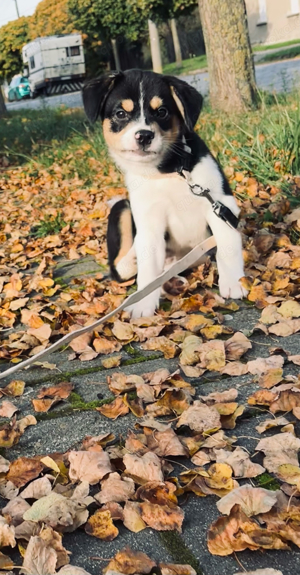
{"x": 100, "y": 525}
{"x": 130, "y": 562}
{"x": 176, "y": 569}
{"x": 252, "y": 500}
{"x": 279, "y": 449}
{"x": 289, "y": 309}
{"x": 143, "y": 469}
{"x": 115, "y": 489}
{"x": 132, "y": 517}
{"x": 123, "y": 331}
{"x": 262, "y": 365}
{"x": 110, "y": 362}
{"x": 115, "y": 409}
{"x": 39, "y": 558}
{"x": 200, "y": 417}
{"x": 240, "y": 462}
{"x": 37, "y": 489}
{"x": 162, "y": 517}
{"x": 163, "y": 344}
{"x": 23, "y": 470}
{"x": 261, "y": 572}
{"x": 237, "y": 346}
{"x": 14, "y": 388}
{"x": 90, "y": 466}
{"x": 271, "y": 377}
{"x": 269, "y": 423}
{"x": 7, "y": 534}
{"x": 7, "y": 409}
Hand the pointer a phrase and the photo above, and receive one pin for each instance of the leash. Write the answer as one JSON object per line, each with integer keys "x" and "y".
{"x": 187, "y": 261}
{"x": 218, "y": 208}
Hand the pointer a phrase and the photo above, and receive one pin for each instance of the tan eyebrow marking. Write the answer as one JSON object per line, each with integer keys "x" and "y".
{"x": 156, "y": 102}
{"x": 178, "y": 102}
{"x": 127, "y": 105}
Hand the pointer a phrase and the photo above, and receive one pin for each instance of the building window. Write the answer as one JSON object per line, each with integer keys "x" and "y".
{"x": 73, "y": 51}
{"x": 294, "y": 7}
{"x": 32, "y": 62}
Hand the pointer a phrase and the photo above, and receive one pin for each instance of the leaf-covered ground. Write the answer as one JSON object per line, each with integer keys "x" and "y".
{"x": 56, "y": 182}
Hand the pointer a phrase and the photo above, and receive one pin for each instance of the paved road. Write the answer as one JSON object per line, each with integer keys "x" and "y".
{"x": 278, "y": 76}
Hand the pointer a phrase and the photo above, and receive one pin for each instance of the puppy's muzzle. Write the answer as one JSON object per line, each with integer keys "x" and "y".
{"x": 144, "y": 137}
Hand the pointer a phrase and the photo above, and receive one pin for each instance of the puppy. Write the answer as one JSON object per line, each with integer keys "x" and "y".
{"x": 148, "y": 123}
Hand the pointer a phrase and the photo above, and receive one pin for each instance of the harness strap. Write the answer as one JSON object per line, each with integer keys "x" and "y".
{"x": 187, "y": 261}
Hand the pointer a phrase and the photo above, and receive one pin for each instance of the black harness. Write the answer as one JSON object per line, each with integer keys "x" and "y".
{"x": 218, "y": 208}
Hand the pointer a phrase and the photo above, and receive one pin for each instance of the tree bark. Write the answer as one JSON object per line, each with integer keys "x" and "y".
{"x": 229, "y": 56}
{"x": 155, "y": 47}
{"x": 116, "y": 54}
{"x": 2, "y": 104}
{"x": 176, "y": 42}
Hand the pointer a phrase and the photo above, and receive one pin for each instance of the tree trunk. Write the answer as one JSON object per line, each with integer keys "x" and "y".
{"x": 177, "y": 48}
{"x": 155, "y": 47}
{"x": 2, "y": 104}
{"x": 229, "y": 56}
{"x": 116, "y": 54}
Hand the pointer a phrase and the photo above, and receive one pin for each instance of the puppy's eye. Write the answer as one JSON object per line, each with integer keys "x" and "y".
{"x": 120, "y": 114}
{"x": 162, "y": 112}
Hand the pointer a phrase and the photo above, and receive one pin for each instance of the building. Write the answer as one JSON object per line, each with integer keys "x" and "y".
{"x": 273, "y": 21}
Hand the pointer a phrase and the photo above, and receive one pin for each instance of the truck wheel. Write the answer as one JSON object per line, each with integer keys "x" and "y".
{"x": 32, "y": 95}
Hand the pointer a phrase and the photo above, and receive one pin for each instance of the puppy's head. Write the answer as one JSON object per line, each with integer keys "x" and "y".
{"x": 143, "y": 113}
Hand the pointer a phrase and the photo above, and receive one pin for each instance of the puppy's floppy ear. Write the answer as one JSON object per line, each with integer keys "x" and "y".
{"x": 95, "y": 92}
{"x": 188, "y": 100}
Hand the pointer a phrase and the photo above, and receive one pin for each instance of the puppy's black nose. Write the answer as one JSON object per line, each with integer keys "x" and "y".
{"x": 144, "y": 137}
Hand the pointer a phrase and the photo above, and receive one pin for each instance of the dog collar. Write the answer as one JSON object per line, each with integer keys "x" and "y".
{"x": 218, "y": 208}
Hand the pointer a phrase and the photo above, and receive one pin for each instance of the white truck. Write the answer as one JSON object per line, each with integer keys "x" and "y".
{"x": 55, "y": 64}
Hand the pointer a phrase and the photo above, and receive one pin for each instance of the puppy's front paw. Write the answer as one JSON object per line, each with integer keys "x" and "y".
{"x": 144, "y": 308}
{"x": 232, "y": 288}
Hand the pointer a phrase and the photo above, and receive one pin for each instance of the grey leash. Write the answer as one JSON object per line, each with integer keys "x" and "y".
{"x": 187, "y": 261}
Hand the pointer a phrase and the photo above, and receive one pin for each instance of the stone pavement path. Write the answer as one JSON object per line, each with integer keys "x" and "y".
{"x": 66, "y": 425}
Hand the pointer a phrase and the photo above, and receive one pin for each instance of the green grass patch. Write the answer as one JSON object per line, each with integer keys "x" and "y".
{"x": 262, "y": 48}
{"x": 188, "y": 66}
{"x": 285, "y": 54}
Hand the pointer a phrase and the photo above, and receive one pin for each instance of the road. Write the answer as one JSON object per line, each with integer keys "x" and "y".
{"x": 278, "y": 76}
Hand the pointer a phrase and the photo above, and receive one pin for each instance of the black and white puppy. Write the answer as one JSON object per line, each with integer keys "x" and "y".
{"x": 148, "y": 124}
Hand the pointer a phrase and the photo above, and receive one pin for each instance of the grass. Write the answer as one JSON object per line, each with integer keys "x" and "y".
{"x": 188, "y": 66}
{"x": 262, "y": 48}
{"x": 264, "y": 142}
{"x": 286, "y": 54}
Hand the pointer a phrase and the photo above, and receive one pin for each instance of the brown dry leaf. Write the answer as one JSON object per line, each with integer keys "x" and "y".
{"x": 190, "y": 351}
{"x": 110, "y": 362}
{"x": 237, "y": 346}
{"x": 15, "y": 388}
{"x": 173, "y": 401}
{"x": 294, "y": 359}
{"x": 166, "y": 443}
{"x": 72, "y": 570}
{"x": 159, "y": 493}
{"x": 115, "y": 489}
{"x": 115, "y": 409}
{"x": 144, "y": 333}
{"x": 285, "y": 328}
{"x": 252, "y": 500}
{"x": 231, "y": 534}
{"x": 161, "y": 343}
{"x": 240, "y": 462}
{"x": 41, "y": 333}
{"x": 54, "y": 540}
{"x": 200, "y": 458}
{"x": 106, "y": 346}
{"x": 262, "y": 397}
{"x": 90, "y": 466}
{"x": 119, "y": 382}
{"x": 6, "y": 563}
{"x": 229, "y": 421}
{"x": 143, "y": 469}
{"x": 271, "y": 377}
{"x": 43, "y": 405}
{"x": 123, "y": 331}
{"x": 60, "y": 391}
{"x": 235, "y": 368}
{"x": 176, "y": 569}
{"x": 7, "y": 534}
{"x": 287, "y": 401}
{"x": 15, "y": 509}
{"x": 116, "y": 510}
{"x": 162, "y": 517}
{"x": 212, "y": 355}
{"x": 7, "y": 409}
{"x": 132, "y": 517}
{"x": 100, "y": 525}
{"x": 59, "y": 512}
{"x": 289, "y": 473}
{"x": 200, "y": 417}
{"x": 262, "y": 365}
{"x": 135, "y": 405}
{"x": 145, "y": 392}
{"x": 220, "y": 396}
{"x": 269, "y": 423}
{"x": 23, "y": 470}
{"x": 226, "y": 408}
{"x": 220, "y": 477}
{"x": 279, "y": 449}
{"x": 289, "y": 309}
{"x": 130, "y": 562}
{"x": 193, "y": 322}
{"x": 80, "y": 343}
{"x": 4, "y": 464}
{"x": 37, "y": 489}
{"x": 39, "y": 558}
